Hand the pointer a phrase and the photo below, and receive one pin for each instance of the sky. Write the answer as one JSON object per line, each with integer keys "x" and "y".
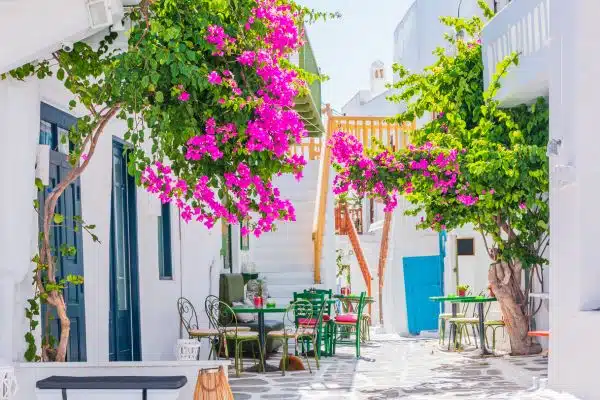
{"x": 346, "y": 47}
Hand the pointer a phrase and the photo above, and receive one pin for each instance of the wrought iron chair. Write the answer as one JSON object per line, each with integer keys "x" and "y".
{"x": 189, "y": 319}
{"x": 300, "y": 324}
{"x": 225, "y": 321}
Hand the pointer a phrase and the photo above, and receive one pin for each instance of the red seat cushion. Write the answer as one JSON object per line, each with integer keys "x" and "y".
{"x": 307, "y": 321}
{"x": 346, "y": 318}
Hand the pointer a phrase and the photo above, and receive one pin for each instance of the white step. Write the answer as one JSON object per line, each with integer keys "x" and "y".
{"x": 287, "y": 291}
{"x": 283, "y": 253}
{"x": 285, "y": 276}
{"x": 279, "y": 266}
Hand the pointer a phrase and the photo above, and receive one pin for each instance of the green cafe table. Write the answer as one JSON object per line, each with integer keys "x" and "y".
{"x": 262, "y": 335}
{"x": 349, "y": 300}
{"x": 480, "y": 301}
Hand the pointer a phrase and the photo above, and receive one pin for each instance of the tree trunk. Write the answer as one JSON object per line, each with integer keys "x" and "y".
{"x": 505, "y": 280}
{"x": 383, "y": 253}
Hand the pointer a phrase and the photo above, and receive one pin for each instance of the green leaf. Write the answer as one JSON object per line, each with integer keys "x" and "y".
{"x": 58, "y": 218}
{"x": 159, "y": 97}
{"x": 39, "y": 184}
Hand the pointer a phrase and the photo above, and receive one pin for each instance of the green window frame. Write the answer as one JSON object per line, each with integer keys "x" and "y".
{"x": 165, "y": 259}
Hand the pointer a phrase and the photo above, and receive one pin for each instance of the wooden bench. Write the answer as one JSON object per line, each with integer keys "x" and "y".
{"x": 111, "y": 383}
{"x": 538, "y": 333}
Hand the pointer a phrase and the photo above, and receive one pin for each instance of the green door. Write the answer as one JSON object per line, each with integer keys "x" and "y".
{"x": 124, "y": 325}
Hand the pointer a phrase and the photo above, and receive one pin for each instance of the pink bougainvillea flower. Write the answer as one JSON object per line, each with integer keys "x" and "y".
{"x": 271, "y": 127}
{"x": 184, "y": 96}
{"x": 84, "y": 156}
{"x": 214, "y": 78}
{"x": 522, "y": 206}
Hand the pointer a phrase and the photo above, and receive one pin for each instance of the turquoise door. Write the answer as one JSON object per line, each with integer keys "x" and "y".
{"x": 53, "y": 123}
{"x": 124, "y": 321}
{"x": 423, "y": 278}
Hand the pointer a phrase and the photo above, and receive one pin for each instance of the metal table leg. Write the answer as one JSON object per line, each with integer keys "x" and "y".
{"x": 262, "y": 337}
{"x": 484, "y": 350}
{"x": 452, "y": 333}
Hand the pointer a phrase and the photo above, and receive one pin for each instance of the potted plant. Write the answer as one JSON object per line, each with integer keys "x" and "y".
{"x": 462, "y": 290}
{"x": 258, "y": 298}
{"x": 491, "y": 290}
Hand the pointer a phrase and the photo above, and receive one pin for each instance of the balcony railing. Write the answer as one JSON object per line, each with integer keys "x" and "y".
{"x": 523, "y": 26}
{"x": 341, "y": 222}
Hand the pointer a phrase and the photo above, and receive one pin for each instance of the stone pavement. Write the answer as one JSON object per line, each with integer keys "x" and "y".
{"x": 392, "y": 367}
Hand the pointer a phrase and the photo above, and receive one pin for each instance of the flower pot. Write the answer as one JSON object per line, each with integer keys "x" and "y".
{"x": 258, "y": 301}
{"x": 462, "y": 292}
{"x": 187, "y": 350}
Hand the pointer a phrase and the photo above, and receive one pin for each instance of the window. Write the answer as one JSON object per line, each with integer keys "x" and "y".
{"x": 54, "y": 128}
{"x": 465, "y": 247}
{"x": 226, "y": 248}
{"x": 244, "y": 237}
{"x": 165, "y": 262}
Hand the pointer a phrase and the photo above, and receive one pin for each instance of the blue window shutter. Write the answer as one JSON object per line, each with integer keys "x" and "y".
{"x": 165, "y": 259}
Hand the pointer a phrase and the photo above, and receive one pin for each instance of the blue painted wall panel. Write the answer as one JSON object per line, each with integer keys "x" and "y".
{"x": 423, "y": 278}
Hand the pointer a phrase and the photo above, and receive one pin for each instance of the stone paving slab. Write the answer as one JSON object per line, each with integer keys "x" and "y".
{"x": 392, "y": 367}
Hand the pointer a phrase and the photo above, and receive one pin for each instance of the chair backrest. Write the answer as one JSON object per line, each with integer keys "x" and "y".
{"x": 360, "y": 308}
{"x": 208, "y": 305}
{"x": 317, "y": 300}
{"x": 328, "y": 296}
{"x": 297, "y": 316}
{"x": 223, "y": 317}
{"x": 187, "y": 314}
{"x": 231, "y": 288}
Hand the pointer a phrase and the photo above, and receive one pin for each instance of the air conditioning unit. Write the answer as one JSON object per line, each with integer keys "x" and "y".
{"x": 99, "y": 13}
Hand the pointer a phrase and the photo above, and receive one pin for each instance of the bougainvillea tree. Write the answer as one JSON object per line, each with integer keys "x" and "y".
{"x": 473, "y": 163}
{"x": 207, "y": 92}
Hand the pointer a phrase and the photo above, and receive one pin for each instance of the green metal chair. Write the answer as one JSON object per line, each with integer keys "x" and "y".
{"x": 327, "y": 318}
{"x": 443, "y": 320}
{"x": 494, "y": 325}
{"x": 298, "y": 325}
{"x": 464, "y": 323}
{"x": 348, "y": 325}
{"x": 224, "y": 319}
{"x": 319, "y": 305}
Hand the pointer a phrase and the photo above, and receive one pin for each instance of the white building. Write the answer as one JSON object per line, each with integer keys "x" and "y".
{"x": 148, "y": 257}
{"x": 373, "y": 102}
{"x": 562, "y": 57}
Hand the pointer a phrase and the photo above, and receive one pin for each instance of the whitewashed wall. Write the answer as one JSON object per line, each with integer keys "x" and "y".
{"x": 420, "y": 32}
{"x": 194, "y": 249}
{"x": 575, "y": 173}
{"x": 19, "y": 132}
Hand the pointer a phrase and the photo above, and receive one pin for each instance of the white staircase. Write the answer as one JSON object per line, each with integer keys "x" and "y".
{"x": 284, "y": 258}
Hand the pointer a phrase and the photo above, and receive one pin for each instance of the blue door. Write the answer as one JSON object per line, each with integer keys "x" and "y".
{"x": 55, "y": 123}
{"x": 422, "y": 279}
{"x": 124, "y": 321}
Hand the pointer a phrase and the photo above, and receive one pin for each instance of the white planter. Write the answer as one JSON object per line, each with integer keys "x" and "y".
{"x": 187, "y": 350}
{"x": 51, "y": 394}
{"x": 8, "y": 383}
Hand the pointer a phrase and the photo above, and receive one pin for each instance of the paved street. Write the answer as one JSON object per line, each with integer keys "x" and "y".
{"x": 402, "y": 368}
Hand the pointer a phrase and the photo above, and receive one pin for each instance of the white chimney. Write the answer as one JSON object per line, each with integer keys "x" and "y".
{"x": 378, "y": 80}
